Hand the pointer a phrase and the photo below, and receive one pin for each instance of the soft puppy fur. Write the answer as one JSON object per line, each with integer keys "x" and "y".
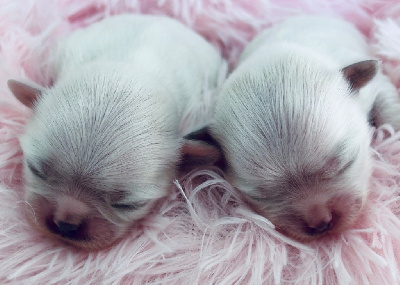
{"x": 104, "y": 141}
{"x": 293, "y": 123}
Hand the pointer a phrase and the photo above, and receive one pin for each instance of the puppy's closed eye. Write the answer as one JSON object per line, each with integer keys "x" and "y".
{"x": 128, "y": 207}
{"x": 36, "y": 172}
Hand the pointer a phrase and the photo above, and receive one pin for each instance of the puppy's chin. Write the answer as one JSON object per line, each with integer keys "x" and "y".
{"x": 92, "y": 231}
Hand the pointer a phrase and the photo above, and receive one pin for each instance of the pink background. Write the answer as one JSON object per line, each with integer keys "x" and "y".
{"x": 202, "y": 233}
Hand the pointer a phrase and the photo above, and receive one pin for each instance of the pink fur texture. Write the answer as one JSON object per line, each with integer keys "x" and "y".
{"x": 203, "y": 233}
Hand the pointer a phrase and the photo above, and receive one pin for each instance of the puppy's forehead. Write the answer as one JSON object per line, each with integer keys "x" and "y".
{"x": 96, "y": 126}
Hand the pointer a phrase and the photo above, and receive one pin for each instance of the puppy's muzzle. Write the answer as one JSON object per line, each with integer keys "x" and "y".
{"x": 319, "y": 220}
{"x": 69, "y": 219}
{"x": 334, "y": 215}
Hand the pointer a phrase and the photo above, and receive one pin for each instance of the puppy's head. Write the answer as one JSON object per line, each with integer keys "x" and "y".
{"x": 296, "y": 141}
{"x": 99, "y": 150}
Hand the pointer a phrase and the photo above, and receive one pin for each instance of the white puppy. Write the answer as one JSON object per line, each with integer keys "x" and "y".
{"x": 103, "y": 143}
{"x": 292, "y": 122}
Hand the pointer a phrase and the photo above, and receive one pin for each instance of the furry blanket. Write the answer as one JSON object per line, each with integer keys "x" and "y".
{"x": 202, "y": 233}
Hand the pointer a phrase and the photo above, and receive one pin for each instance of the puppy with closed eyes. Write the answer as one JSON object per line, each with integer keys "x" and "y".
{"x": 293, "y": 122}
{"x": 104, "y": 142}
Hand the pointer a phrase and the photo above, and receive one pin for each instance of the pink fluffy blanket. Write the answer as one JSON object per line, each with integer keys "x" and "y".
{"x": 202, "y": 233}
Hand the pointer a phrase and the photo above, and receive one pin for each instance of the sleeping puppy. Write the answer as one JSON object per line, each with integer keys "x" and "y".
{"x": 293, "y": 123}
{"x": 103, "y": 143}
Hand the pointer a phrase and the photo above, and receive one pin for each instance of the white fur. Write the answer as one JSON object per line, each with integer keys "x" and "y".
{"x": 295, "y": 136}
{"x": 107, "y": 131}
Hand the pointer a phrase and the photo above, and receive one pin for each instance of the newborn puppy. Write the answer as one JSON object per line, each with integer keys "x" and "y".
{"x": 292, "y": 122}
{"x": 103, "y": 144}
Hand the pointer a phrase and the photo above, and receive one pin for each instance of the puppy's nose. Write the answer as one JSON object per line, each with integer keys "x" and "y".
{"x": 318, "y": 220}
{"x": 70, "y": 218}
{"x": 320, "y": 228}
{"x": 76, "y": 232}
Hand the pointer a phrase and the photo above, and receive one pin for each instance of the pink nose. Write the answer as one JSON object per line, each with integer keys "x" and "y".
{"x": 70, "y": 210}
{"x": 318, "y": 220}
{"x": 69, "y": 219}
{"x": 76, "y": 232}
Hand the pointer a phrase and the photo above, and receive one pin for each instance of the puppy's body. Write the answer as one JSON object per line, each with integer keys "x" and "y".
{"x": 157, "y": 48}
{"x": 104, "y": 143}
{"x": 337, "y": 43}
{"x": 292, "y": 121}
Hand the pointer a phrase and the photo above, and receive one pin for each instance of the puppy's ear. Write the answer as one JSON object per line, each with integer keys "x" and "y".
{"x": 26, "y": 93}
{"x": 360, "y": 73}
{"x": 200, "y": 149}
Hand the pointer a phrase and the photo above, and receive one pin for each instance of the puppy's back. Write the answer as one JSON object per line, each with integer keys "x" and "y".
{"x": 334, "y": 41}
{"x": 175, "y": 56}
{"x": 328, "y": 36}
